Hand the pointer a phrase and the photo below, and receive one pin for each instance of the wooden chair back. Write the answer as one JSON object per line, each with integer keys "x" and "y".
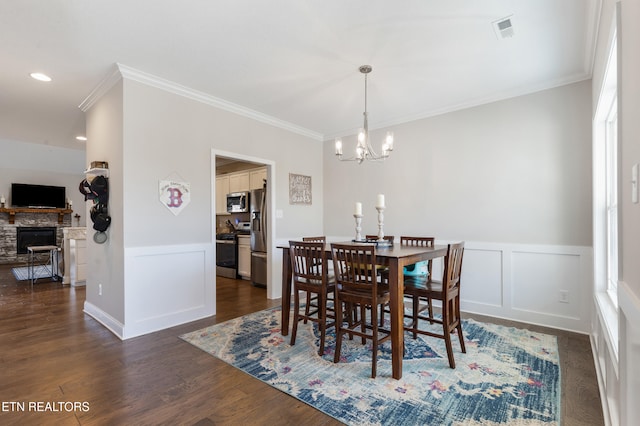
{"x": 375, "y": 237}
{"x": 321, "y": 239}
{"x": 419, "y": 242}
{"x": 308, "y": 260}
{"x": 453, "y": 270}
{"x": 354, "y": 266}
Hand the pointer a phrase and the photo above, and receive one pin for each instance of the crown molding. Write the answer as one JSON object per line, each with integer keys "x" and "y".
{"x": 177, "y": 89}
{"x": 121, "y": 71}
{"x": 101, "y": 89}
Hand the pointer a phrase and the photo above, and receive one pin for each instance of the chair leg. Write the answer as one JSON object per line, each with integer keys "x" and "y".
{"x": 322, "y": 321}
{"x": 416, "y": 302}
{"x": 363, "y": 326}
{"x": 351, "y": 317}
{"x": 459, "y": 327}
{"x": 307, "y": 307}
{"x": 374, "y": 348}
{"x": 296, "y": 316}
{"x": 446, "y": 332}
{"x": 461, "y": 338}
{"x": 336, "y": 357}
{"x": 430, "y": 302}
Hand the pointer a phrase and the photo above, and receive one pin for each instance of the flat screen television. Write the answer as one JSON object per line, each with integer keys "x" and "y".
{"x": 39, "y": 196}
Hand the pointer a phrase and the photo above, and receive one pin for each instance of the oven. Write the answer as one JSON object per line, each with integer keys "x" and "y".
{"x": 227, "y": 255}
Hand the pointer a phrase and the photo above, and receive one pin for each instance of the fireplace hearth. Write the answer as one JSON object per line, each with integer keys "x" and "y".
{"x": 34, "y": 236}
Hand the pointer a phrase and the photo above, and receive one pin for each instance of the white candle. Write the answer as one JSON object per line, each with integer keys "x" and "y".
{"x": 70, "y": 203}
{"x": 358, "y": 209}
{"x": 380, "y": 202}
{"x": 2, "y": 200}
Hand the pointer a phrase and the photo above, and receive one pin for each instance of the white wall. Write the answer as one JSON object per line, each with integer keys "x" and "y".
{"x": 105, "y": 298}
{"x": 516, "y": 171}
{"x": 511, "y": 178}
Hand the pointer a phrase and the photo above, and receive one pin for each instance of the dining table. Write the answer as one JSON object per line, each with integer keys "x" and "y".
{"x": 395, "y": 258}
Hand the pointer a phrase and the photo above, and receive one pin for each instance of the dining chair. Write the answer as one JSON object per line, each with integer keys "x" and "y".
{"x": 358, "y": 285}
{"x": 421, "y": 269}
{"x": 310, "y": 274}
{"x": 448, "y": 292}
{"x": 312, "y": 300}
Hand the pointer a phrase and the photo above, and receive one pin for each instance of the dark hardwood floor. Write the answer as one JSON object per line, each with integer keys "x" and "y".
{"x": 51, "y": 353}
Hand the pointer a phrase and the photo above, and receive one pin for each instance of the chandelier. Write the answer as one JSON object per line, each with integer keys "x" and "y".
{"x": 364, "y": 151}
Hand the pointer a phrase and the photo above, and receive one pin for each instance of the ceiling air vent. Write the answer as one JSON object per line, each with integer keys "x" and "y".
{"x": 503, "y": 27}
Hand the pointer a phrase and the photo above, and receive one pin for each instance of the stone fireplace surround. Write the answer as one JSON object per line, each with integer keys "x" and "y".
{"x": 9, "y": 231}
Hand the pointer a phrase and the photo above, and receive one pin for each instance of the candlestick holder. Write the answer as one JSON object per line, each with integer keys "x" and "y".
{"x": 358, "y": 218}
{"x": 380, "y": 223}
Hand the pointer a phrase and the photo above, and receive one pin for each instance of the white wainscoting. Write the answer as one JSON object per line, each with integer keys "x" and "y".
{"x": 167, "y": 286}
{"x": 629, "y": 355}
{"x": 526, "y": 282}
{"x": 522, "y": 282}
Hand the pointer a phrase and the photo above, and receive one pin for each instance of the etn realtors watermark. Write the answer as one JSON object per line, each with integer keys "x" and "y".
{"x": 44, "y": 406}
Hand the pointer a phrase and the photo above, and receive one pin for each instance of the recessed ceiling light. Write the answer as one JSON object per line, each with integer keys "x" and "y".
{"x": 81, "y": 138}
{"x": 39, "y": 76}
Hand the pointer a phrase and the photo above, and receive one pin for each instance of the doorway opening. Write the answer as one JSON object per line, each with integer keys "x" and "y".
{"x": 252, "y": 228}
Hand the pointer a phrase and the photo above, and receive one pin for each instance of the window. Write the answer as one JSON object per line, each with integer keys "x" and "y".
{"x": 605, "y": 188}
{"x": 611, "y": 197}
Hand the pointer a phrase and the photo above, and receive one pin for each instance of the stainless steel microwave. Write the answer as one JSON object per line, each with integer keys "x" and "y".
{"x": 238, "y": 202}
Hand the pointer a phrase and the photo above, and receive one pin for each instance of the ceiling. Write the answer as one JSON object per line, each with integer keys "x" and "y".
{"x": 295, "y": 61}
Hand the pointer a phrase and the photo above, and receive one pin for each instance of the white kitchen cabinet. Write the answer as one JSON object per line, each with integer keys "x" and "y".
{"x": 244, "y": 256}
{"x": 239, "y": 182}
{"x": 222, "y": 189}
{"x": 256, "y": 177}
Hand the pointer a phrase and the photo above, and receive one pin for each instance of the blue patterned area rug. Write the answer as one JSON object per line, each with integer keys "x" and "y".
{"x": 22, "y": 273}
{"x": 508, "y": 376}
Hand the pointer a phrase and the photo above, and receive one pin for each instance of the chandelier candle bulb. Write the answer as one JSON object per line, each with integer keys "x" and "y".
{"x": 389, "y": 141}
{"x": 380, "y": 202}
{"x": 338, "y": 146}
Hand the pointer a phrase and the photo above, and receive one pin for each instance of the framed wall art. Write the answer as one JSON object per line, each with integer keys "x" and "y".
{"x": 299, "y": 189}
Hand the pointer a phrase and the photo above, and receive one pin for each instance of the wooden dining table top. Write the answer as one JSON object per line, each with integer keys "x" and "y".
{"x": 395, "y": 257}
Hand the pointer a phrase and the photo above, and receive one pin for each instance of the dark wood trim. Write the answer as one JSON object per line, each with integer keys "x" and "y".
{"x": 13, "y": 210}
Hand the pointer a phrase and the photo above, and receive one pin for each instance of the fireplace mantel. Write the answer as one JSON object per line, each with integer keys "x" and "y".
{"x": 13, "y": 210}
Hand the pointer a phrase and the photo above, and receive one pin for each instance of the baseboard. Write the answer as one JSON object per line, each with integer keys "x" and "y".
{"x": 115, "y": 326}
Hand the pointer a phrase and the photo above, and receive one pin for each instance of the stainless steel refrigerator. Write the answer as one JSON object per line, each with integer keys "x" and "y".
{"x": 259, "y": 230}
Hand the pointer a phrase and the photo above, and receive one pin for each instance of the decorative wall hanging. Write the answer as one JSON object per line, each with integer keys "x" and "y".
{"x": 175, "y": 195}
{"x": 299, "y": 189}
{"x": 98, "y": 191}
